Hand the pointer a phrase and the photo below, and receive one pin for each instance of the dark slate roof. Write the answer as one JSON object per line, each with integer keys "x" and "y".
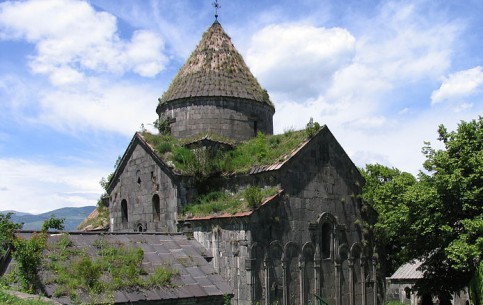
{"x": 215, "y": 68}
{"x": 196, "y": 277}
{"x": 408, "y": 271}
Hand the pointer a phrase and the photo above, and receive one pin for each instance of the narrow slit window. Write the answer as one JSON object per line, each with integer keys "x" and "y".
{"x": 326, "y": 243}
{"x": 124, "y": 213}
{"x": 156, "y": 208}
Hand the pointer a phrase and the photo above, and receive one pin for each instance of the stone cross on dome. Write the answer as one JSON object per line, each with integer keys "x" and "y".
{"x": 217, "y": 6}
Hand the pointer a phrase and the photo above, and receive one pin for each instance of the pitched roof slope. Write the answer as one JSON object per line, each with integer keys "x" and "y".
{"x": 215, "y": 68}
{"x": 195, "y": 278}
{"x": 408, "y": 271}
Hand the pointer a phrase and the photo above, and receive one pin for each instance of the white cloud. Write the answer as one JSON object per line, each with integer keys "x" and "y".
{"x": 459, "y": 85}
{"x": 98, "y": 105}
{"x": 396, "y": 51}
{"x": 298, "y": 59}
{"x": 36, "y": 187}
{"x": 73, "y": 39}
{"x": 403, "y": 44}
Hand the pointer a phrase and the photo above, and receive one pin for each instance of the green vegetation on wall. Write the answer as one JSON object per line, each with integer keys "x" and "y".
{"x": 260, "y": 150}
{"x": 7, "y": 298}
{"x": 80, "y": 274}
{"x": 226, "y": 202}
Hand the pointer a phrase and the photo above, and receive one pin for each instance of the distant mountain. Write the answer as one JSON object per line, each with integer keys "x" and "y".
{"x": 73, "y": 217}
{"x": 14, "y": 212}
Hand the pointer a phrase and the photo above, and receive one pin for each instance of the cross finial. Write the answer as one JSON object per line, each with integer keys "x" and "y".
{"x": 217, "y": 6}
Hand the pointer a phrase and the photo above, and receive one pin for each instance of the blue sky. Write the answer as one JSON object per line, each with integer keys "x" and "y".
{"x": 78, "y": 78}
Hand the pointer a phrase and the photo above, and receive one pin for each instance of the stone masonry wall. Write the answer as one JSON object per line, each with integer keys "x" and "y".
{"x": 238, "y": 119}
{"x": 141, "y": 183}
{"x": 308, "y": 241}
{"x": 228, "y": 242}
{"x": 322, "y": 187}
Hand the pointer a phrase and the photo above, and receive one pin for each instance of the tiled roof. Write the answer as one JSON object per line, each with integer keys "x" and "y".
{"x": 196, "y": 277}
{"x": 408, "y": 271}
{"x": 215, "y": 68}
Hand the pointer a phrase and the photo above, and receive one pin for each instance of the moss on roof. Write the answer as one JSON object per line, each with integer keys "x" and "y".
{"x": 242, "y": 159}
{"x": 227, "y": 202}
{"x": 215, "y": 68}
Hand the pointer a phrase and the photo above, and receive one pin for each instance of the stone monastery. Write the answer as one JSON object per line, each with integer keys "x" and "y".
{"x": 304, "y": 243}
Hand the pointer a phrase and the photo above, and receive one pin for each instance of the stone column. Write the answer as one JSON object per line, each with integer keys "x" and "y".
{"x": 250, "y": 266}
{"x": 317, "y": 273}
{"x": 351, "y": 282}
{"x": 315, "y": 232}
{"x": 338, "y": 284}
{"x": 302, "y": 280}
{"x": 285, "y": 282}
{"x": 267, "y": 263}
{"x": 363, "y": 280}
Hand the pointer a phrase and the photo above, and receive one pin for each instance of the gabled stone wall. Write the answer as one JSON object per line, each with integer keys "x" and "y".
{"x": 146, "y": 194}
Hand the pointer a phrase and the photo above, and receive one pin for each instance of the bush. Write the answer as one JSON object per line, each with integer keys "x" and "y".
{"x": 312, "y": 128}
{"x": 183, "y": 156}
{"x": 253, "y": 196}
{"x": 28, "y": 255}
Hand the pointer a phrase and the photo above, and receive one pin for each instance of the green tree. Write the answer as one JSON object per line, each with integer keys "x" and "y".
{"x": 26, "y": 252}
{"x": 450, "y": 225}
{"x": 437, "y": 218}
{"x": 7, "y": 230}
{"x": 386, "y": 190}
{"x": 53, "y": 223}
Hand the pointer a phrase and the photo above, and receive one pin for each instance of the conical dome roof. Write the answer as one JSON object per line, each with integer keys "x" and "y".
{"x": 215, "y": 68}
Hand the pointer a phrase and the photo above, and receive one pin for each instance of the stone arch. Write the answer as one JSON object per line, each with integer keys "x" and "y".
{"x": 257, "y": 274}
{"x": 326, "y": 217}
{"x": 124, "y": 211}
{"x": 156, "y": 207}
{"x": 342, "y": 253}
{"x": 327, "y": 223}
{"x": 140, "y": 227}
{"x": 275, "y": 273}
{"x": 355, "y": 251}
{"x": 307, "y": 273}
{"x": 291, "y": 266}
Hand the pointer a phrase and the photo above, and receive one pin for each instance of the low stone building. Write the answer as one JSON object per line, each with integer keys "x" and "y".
{"x": 309, "y": 239}
{"x": 401, "y": 287}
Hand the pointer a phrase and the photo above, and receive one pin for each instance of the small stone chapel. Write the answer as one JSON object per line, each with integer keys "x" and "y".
{"x": 305, "y": 244}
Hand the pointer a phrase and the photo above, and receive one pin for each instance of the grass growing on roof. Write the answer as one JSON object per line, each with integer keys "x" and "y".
{"x": 258, "y": 151}
{"x": 7, "y": 298}
{"x": 113, "y": 267}
{"x": 226, "y": 202}
{"x": 262, "y": 150}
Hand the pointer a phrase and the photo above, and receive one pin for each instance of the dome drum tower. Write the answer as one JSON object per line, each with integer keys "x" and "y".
{"x": 238, "y": 119}
{"x": 215, "y": 92}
